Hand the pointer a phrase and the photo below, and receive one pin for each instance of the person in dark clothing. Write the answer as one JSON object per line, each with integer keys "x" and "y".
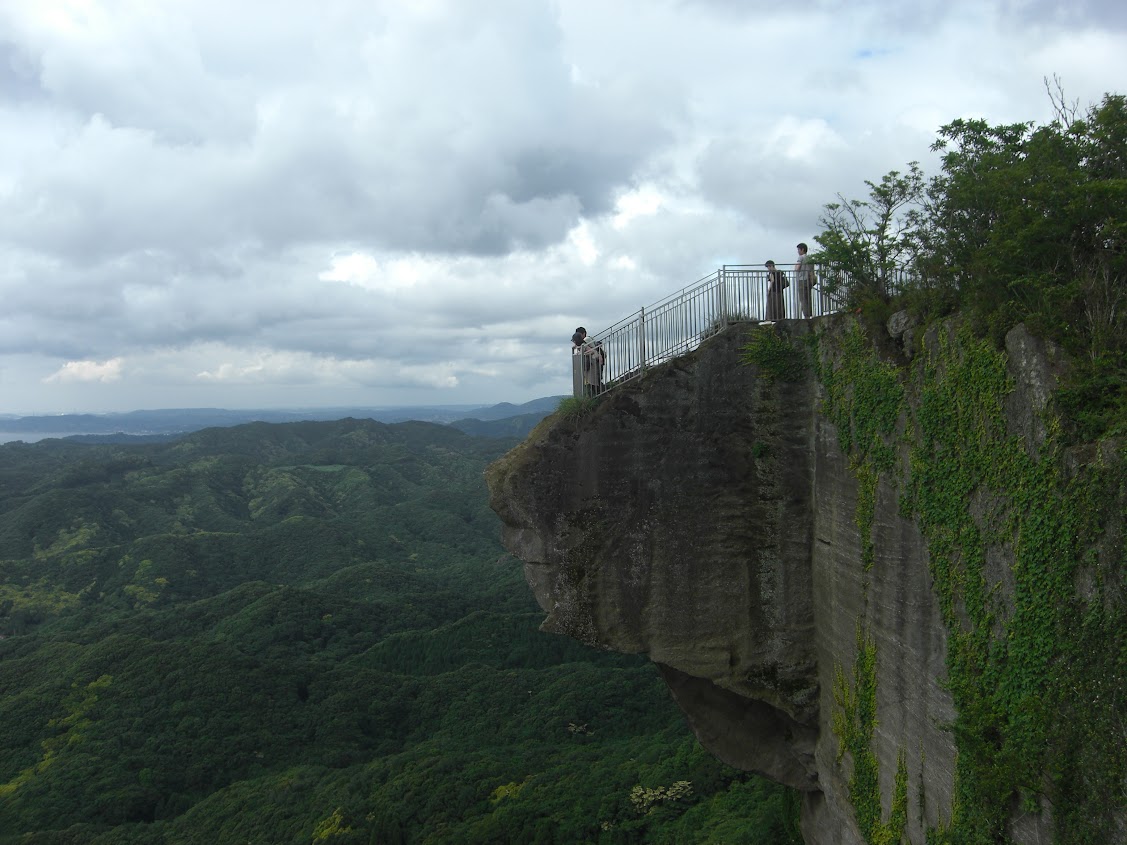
{"x": 776, "y": 282}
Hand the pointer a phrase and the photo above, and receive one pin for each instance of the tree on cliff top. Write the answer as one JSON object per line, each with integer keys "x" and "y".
{"x": 872, "y": 239}
{"x": 1024, "y": 223}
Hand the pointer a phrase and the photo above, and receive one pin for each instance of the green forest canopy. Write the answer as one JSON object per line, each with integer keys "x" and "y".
{"x": 309, "y": 632}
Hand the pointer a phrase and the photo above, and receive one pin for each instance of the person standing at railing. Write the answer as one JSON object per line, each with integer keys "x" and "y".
{"x": 578, "y": 362}
{"x": 594, "y": 361}
{"x": 776, "y": 282}
{"x": 804, "y": 281}
{"x": 588, "y": 360}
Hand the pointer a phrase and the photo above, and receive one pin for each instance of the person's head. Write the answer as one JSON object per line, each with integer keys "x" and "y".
{"x": 802, "y": 249}
{"x": 581, "y": 331}
{"x": 770, "y": 265}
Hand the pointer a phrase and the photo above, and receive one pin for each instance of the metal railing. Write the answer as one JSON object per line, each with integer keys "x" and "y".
{"x": 680, "y": 322}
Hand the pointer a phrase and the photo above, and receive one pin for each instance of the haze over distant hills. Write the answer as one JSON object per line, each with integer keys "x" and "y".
{"x": 501, "y": 420}
{"x": 309, "y": 632}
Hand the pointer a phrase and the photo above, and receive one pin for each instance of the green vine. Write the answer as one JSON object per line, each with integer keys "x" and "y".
{"x": 1037, "y": 671}
{"x": 867, "y": 478}
{"x": 1018, "y": 672}
{"x": 854, "y": 721}
{"x": 864, "y": 399}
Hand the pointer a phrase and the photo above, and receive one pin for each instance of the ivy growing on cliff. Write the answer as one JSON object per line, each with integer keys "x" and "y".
{"x": 864, "y": 398}
{"x": 854, "y": 721}
{"x": 1038, "y": 679}
{"x": 1037, "y": 671}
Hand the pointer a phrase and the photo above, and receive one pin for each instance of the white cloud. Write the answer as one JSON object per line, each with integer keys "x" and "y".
{"x": 105, "y": 371}
{"x": 393, "y": 202}
{"x": 355, "y": 268}
{"x": 295, "y": 369}
{"x": 641, "y": 202}
{"x": 801, "y": 140}
{"x": 583, "y": 242}
{"x": 362, "y": 270}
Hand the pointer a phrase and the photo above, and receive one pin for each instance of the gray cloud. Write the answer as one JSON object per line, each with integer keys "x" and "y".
{"x": 19, "y": 74}
{"x": 271, "y": 203}
{"x": 476, "y": 141}
{"x": 923, "y": 14}
{"x": 1068, "y": 13}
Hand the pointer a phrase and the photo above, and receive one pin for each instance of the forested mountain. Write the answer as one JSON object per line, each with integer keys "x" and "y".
{"x": 308, "y": 632}
{"x": 515, "y": 426}
{"x": 177, "y": 421}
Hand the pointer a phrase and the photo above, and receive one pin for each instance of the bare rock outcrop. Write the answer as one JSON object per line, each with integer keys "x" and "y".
{"x": 707, "y": 516}
{"x": 663, "y": 524}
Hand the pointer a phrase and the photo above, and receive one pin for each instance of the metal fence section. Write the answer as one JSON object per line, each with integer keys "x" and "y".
{"x": 680, "y": 322}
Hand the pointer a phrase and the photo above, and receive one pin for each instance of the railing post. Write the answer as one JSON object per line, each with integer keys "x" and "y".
{"x": 577, "y": 374}
{"x": 723, "y": 297}
{"x": 642, "y": 340}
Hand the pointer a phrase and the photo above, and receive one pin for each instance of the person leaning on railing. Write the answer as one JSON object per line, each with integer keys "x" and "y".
{"x": 594, "y": 361}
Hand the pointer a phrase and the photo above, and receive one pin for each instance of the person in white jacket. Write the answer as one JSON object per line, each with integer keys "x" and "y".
{"x": 804, "y": 281}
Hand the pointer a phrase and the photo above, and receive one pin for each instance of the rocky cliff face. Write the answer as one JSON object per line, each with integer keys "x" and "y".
{"x": 707, "y": 516}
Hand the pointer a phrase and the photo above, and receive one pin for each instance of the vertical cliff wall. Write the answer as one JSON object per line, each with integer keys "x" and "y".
{"x": 750, "y": 528}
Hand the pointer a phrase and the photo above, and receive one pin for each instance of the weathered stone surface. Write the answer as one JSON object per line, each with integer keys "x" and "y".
{"x": 707, "y": 517}
{"x": 675, "y": 521}
{"x": 896, "y": 605}
{"x": 746, "y": 733}
{"x": 899, "y": 323}
{"x": 1033, "y": 364}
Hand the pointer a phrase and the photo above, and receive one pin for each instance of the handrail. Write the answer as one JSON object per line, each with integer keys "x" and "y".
{"x": 684, "y": 319}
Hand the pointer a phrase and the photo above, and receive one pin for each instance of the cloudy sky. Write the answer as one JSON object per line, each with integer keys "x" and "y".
{"x": 272, "y": 203}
